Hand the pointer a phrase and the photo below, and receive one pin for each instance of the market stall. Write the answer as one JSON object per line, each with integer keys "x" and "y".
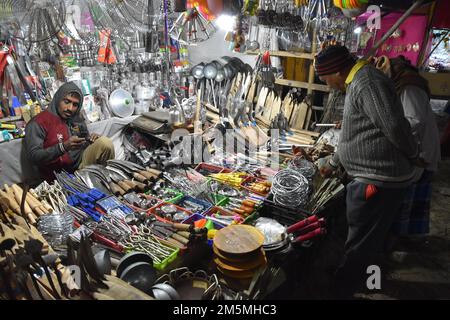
{"x": 214, "y": 191}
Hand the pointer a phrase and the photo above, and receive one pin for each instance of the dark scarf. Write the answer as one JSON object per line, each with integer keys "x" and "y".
{"x": 404, "y": 74}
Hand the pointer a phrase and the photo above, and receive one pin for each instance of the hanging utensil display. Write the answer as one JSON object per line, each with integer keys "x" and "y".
{"x": 191, "y": 28}
{"x": 43, "y": 19}
{"x": 210, "y": 72}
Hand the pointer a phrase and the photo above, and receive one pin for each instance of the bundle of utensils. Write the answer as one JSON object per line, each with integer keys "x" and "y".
{"x": 157, "y": 159}
{"x": 14, "y": 197}
{"x": 51, "y": 194}
{"x": 192, "y": 27}
{"x": 95, "y": 279}
{"x": 307, "y": 229}
{"x": 32, "y": 274}
{"x": 242, "y": 206}
{"x": 330, "y": 189}
{"x": 320, "y": 150}
{"x": 120, "y": 177}
{"x": 29, "y": 267}
{"x": 178, "y": 234}
{"x": 79, "y": 195}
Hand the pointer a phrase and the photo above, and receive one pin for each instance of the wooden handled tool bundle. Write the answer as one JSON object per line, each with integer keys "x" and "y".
{"x": 33, "y": 208}
{"x": 127, "y": 176}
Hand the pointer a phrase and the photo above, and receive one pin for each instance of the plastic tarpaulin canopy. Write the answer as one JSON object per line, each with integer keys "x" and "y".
{"x": 441, "y": 19}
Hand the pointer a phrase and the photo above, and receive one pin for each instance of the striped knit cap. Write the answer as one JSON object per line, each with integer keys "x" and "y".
{"x": 333, "y": 59}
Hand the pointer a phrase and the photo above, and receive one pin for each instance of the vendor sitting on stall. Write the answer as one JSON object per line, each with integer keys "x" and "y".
{"x": 377, "y": 150}
{"x": 57, "y": 139}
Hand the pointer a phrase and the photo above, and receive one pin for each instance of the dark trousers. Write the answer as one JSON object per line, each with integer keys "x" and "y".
{"x": 370, "y": 213}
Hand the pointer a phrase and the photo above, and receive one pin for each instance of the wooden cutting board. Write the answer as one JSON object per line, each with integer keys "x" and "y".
{"x": 267, "y": 109}
{"x": 262, "y": 100}
{"x": 289, "y": 110}
{"x": 308, "y": 118}
{"x": 259, "y": 261}
{"x": 247, "y": 274}
{"x": 232, "y": 258}
{"x": 238, "y": 239}
{"x": 301, "y": 116}
{"x": 251, "y": 93}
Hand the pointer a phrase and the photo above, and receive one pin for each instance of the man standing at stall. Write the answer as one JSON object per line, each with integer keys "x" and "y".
{"x": 57, "y": 139}
{"x": 377, "y": 150}
{"x": 414, "y": 94}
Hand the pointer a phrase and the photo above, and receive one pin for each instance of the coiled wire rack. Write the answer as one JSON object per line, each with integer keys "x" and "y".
{"x": 290, "y": 188}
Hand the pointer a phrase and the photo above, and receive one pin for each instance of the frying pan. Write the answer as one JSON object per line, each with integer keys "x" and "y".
{"x": 130, "y": 259}
{"x": 140, "y": 275}
{"x": 193, "y": 286}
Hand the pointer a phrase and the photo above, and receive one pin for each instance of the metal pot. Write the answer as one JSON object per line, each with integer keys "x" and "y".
{"x": 140, "y": 275}
{"x": 130, "y": 259}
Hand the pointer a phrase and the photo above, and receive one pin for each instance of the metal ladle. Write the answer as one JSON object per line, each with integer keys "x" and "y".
{"x": 220, "y": 77}
{"x": 198, "y": 73}
{"x": 210, "y": 72}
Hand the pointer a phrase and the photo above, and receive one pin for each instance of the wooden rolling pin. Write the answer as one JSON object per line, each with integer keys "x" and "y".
{"x": 44, "y": 204}
{"x": 17, "y": 191}
{"x": 10, "y": 201}
{"x": 47, "y": 206}
{"x": 34, "y": 204}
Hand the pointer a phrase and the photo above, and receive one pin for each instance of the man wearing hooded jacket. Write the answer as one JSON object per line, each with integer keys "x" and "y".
{"x": 57, "y": 139}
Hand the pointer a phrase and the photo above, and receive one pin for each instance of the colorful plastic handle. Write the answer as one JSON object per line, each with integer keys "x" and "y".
{"x": 302, "y": 223}
{"x": 310, "y": 235}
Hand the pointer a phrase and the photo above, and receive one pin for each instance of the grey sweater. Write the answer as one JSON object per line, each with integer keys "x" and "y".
{"x": 376, "y": 144}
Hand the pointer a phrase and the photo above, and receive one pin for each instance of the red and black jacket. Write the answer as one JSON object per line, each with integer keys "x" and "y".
{"x": 45, "y": 131}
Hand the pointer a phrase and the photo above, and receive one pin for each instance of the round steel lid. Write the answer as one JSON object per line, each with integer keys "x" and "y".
{"x": 121, "y": 103}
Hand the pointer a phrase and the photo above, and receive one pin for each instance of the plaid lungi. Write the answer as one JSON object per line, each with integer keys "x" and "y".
{"x": 414, "y": 217}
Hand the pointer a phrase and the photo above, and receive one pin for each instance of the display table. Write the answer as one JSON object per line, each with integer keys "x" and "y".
{"x": 15, "y": 166}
